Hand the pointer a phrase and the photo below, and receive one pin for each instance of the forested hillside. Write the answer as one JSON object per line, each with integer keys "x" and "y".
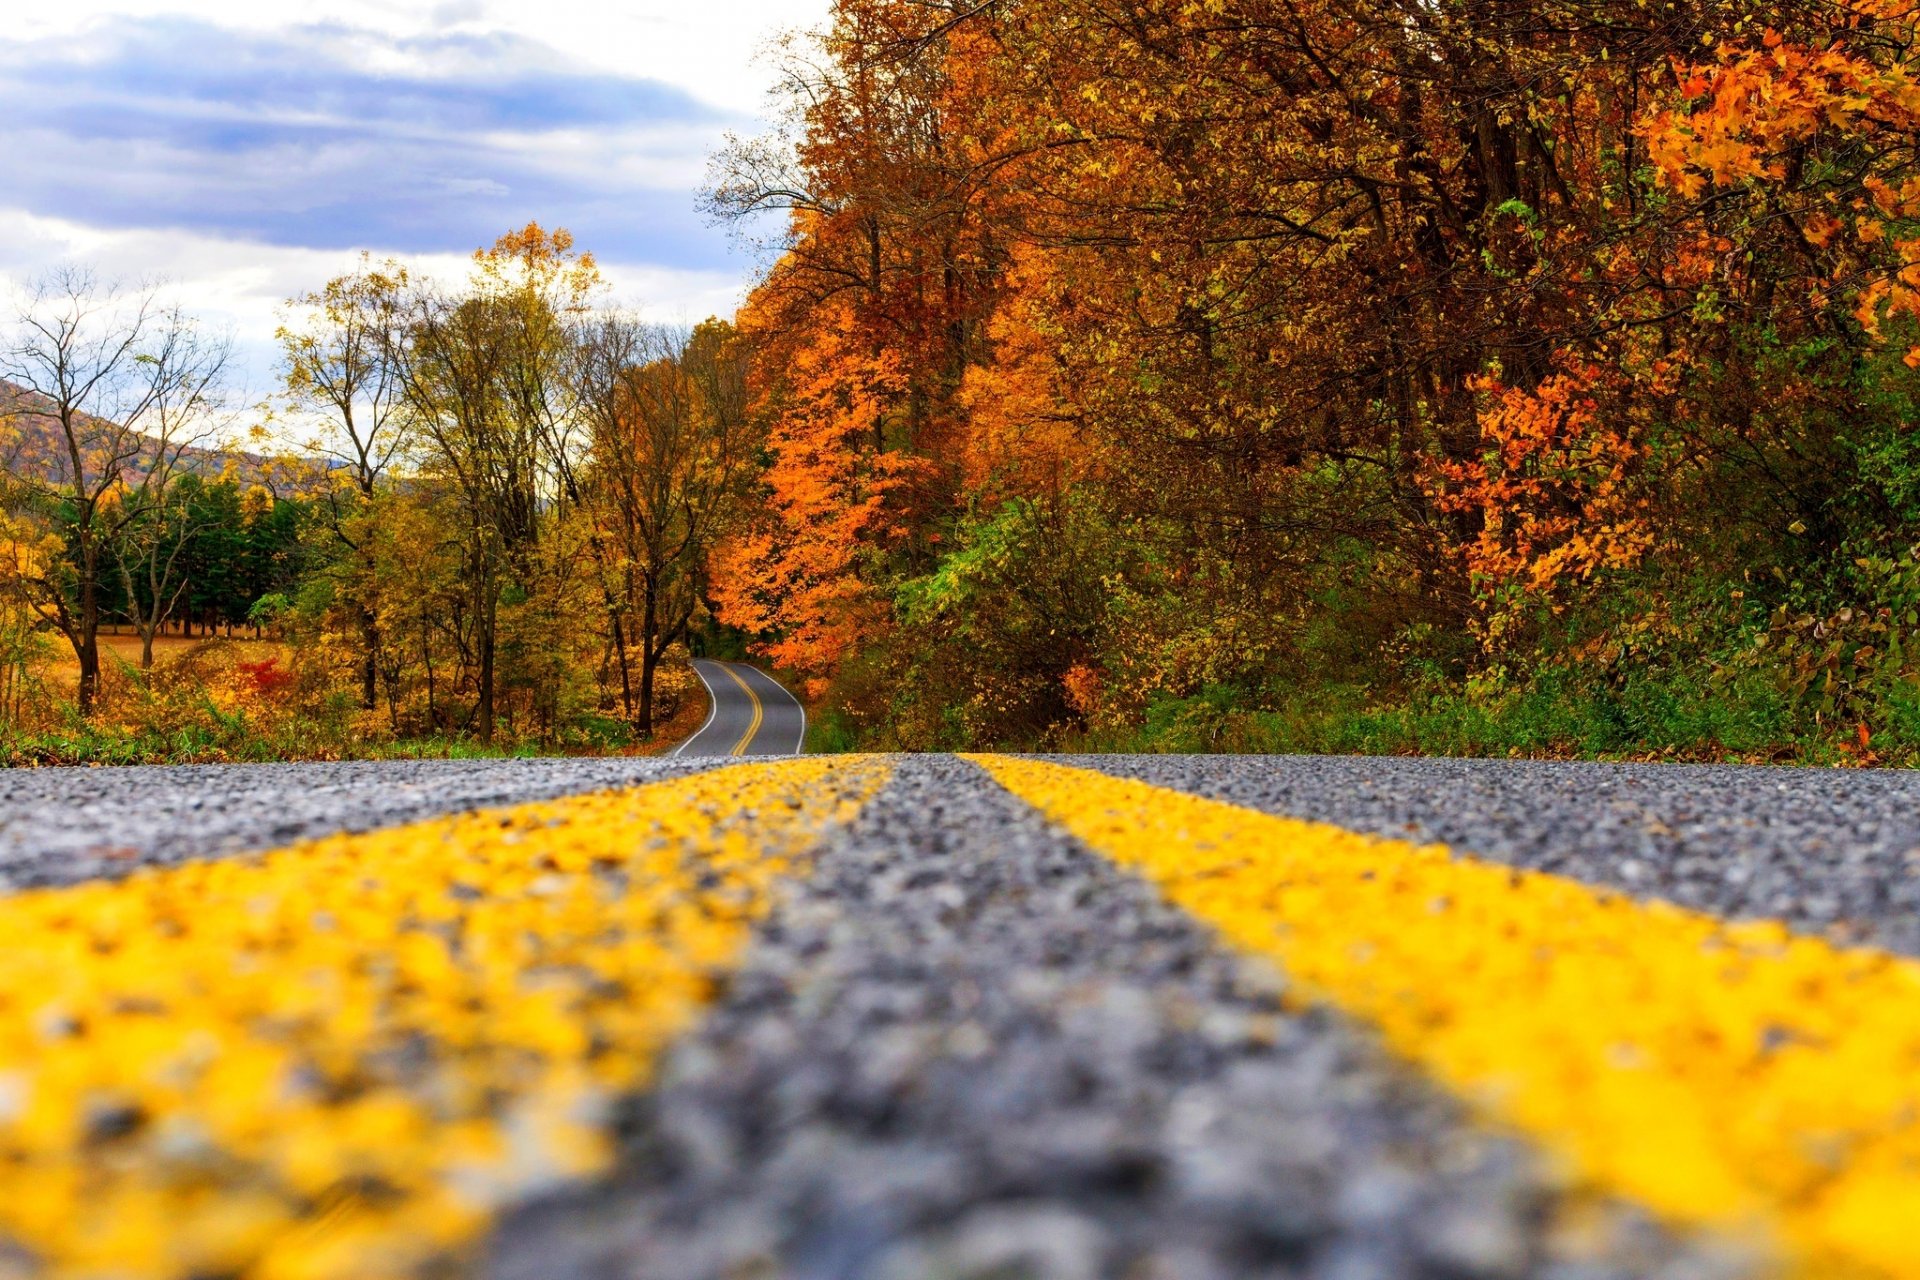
{"x": 35, "y": 447}
{"x": 1386, "y": 375}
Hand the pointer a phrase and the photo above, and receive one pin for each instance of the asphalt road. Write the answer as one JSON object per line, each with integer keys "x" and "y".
{"x": 752, "y": 714}
{"x": 965, "y": 1044}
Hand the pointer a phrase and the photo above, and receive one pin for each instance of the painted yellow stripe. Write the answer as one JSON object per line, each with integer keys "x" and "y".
{"x": 1735, "y": 1077}
{"x": 759, "y": 712}
{"x": 333, "y": 1062}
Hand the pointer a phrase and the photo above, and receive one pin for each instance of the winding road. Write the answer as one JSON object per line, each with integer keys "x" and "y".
{"x": 753, "y": 714}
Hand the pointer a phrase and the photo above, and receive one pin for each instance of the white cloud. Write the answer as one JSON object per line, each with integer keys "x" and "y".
{"x": 287, "y": 137}
{"x": 706, "y": 48}
{"x": 241, "y": 287}
{"x": 235, "y": 163}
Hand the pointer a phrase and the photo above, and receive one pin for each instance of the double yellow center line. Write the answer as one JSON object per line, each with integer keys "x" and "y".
{"x": 759, "y": 712}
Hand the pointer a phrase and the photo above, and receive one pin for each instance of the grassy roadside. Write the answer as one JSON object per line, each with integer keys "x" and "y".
{"x": 88, "y": 746}
{"x": 1749, "y": 722}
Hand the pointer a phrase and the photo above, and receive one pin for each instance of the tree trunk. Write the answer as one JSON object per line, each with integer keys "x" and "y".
{"x": 485, "y": 713}
{"x": 647, "y": 663}
{"x": 649, "y": 651}
{"x": 86, "y": 641}
{"x": 146, "y": 648}
{"x": 626, "y": 677}
{"x": 87, "y": 652}
{"x": 369, "y": 666}
{"x": 426, "y": 656}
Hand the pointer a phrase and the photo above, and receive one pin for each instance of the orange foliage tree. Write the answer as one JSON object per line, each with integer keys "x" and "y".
{"x": 835, "y": 504}
{"x": 1812, "y": 131}
{"x": 1559, "y": 492}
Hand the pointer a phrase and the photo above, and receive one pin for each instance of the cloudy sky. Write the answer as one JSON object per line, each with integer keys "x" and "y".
{"x": 245, "y": 150}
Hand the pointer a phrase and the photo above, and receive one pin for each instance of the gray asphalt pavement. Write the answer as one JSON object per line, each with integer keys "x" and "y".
{"x": 752, "y": 714}
{"x": 964, "y": 1048}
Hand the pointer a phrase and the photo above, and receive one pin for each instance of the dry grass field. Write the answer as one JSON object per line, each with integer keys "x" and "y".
{"x": 124, "y": 647}
{"x": 214, "y": 699}
{"x": 127, "y": 647}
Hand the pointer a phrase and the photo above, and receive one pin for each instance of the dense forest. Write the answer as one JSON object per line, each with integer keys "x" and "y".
{"x": 1382, "y": 374}
{"x": 1379, "y": 375}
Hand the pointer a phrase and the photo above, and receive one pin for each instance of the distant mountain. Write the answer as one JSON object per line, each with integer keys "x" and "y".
{"x": 33, "y": 447}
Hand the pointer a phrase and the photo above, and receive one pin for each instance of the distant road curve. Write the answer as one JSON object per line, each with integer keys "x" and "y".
{"x": 753, "y": 715}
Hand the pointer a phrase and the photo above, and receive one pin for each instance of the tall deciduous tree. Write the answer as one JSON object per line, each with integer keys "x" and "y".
{"x": 484, "y": 374}
{"x": 343, "y": 357}
{"x": 112, "y": 391}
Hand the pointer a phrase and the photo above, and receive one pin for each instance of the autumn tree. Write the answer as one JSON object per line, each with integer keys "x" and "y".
{"x": 865, "y": 326}
{"x": 342, "y": 357}
{"x": 149, "y": 556}
{"x": 25, "y": 548}
{"x": 110, "y": 394}
{"x": 670, "y": 440}
{"x": 484, "y": 377}
{"x": 453, "y": 360}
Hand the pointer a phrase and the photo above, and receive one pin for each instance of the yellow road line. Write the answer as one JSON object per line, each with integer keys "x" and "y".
{"x": 335, "y": 1061}
{"x": 740, "y": 747}
{"x": 1735, "y": 1077}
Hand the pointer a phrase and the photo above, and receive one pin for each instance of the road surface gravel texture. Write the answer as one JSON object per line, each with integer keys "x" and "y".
{"x": 1827, "y": 850}
{"x": 968, "y": 1048}
{"x": 963, "y": 1046}
{"x": 62, "y": 826}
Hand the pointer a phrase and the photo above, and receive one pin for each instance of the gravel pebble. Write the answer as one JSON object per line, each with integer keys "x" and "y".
{"x": 965, "y": 1048}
